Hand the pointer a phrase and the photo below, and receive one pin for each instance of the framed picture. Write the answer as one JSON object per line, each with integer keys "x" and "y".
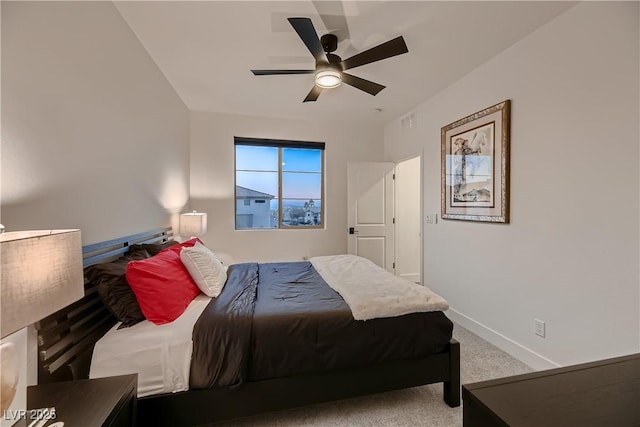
{"x": 475, "y": 166}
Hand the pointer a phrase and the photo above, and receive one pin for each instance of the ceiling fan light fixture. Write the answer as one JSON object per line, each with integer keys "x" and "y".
{"x": 329, "y": 71}
{"x": 328, "y": 79}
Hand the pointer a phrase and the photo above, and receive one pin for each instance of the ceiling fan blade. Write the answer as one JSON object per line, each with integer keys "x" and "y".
{"x": 362, "y": 84}
{"x": 306, "y": 31}
{"x": 386, "y": 50}
{"x": 276, "y": 72}
{"x": 314, "y": 94}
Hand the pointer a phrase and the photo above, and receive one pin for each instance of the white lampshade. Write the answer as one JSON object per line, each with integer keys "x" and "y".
{"x": 193, "y": 224}
{"x": 41, "y": 273}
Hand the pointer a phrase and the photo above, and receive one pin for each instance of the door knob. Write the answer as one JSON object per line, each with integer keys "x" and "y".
{"x": 352, "y": 230}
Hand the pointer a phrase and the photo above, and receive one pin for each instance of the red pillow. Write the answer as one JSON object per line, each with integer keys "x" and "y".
{"x": 162, "y": 285}
{"x": 177, "y": 248}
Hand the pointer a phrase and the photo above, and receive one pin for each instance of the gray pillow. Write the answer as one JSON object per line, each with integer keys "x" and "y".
{"x": 114, "y": 290}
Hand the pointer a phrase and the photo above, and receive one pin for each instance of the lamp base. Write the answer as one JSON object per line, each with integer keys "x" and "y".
{"x": 13, "y": 378}
{"x": 9, "y": 374}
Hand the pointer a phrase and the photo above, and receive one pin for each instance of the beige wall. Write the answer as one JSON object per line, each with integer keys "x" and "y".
{"x": 212, "y": 183}
{"x": 93, "y": 136}
{"x": 570, "y": 254}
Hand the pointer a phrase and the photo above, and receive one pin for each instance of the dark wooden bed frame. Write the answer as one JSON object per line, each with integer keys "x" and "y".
{"x": 67, "y": 337}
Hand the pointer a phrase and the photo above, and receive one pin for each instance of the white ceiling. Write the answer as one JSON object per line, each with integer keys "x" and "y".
{"x": 206, "y": 50}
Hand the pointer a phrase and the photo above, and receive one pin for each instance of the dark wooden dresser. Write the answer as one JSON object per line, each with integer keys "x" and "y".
{"x": 107, "y": 402}
{"x": 598, "y": 394}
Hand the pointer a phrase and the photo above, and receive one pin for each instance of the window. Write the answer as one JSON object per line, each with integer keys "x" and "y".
{"x": 283, "y": 179}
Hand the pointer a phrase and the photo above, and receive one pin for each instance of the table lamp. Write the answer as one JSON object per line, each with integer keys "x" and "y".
{"x": 41, "y": 272}
{"x": 193, "y": 224}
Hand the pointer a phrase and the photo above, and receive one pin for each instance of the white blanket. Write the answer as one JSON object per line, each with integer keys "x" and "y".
{"x": 371, "y": 291}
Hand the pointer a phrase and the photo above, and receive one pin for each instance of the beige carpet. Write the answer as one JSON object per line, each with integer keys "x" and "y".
{"x": 418, "y": 406}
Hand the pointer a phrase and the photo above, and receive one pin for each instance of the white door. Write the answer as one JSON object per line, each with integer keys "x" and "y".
{"x": 370, "y": 212}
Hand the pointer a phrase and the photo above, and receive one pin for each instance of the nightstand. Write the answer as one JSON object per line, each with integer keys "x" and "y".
{"x": 108, "y": 402}
{"x": 602, "y": 393}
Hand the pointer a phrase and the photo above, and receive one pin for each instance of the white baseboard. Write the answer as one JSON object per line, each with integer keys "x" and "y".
{"x": 520, "y": 352}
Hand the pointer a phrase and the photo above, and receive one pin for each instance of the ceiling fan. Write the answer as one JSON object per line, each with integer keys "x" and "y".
{"x": 330, "y": 68}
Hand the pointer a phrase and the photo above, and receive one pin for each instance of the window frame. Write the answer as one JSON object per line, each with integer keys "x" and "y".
{"x": 280, "y": 144}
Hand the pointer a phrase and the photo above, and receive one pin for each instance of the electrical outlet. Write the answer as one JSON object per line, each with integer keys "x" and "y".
{"x": 431, "y": 219}
{"x": 539, "y": 328}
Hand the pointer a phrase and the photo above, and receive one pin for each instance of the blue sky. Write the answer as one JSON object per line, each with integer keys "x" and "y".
{"x": 257, "y": 169}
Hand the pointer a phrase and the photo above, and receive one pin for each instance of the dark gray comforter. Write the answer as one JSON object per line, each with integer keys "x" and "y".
{"x": 282, "y": 319}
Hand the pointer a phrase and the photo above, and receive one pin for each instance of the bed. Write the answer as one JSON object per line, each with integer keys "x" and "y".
{"x": 281, "y": 370}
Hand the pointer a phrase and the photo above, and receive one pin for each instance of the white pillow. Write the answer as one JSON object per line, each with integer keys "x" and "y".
{"x": 205, "y": 269}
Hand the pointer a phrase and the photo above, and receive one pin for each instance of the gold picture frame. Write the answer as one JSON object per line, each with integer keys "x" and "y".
{"x": 475, "y": 166}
